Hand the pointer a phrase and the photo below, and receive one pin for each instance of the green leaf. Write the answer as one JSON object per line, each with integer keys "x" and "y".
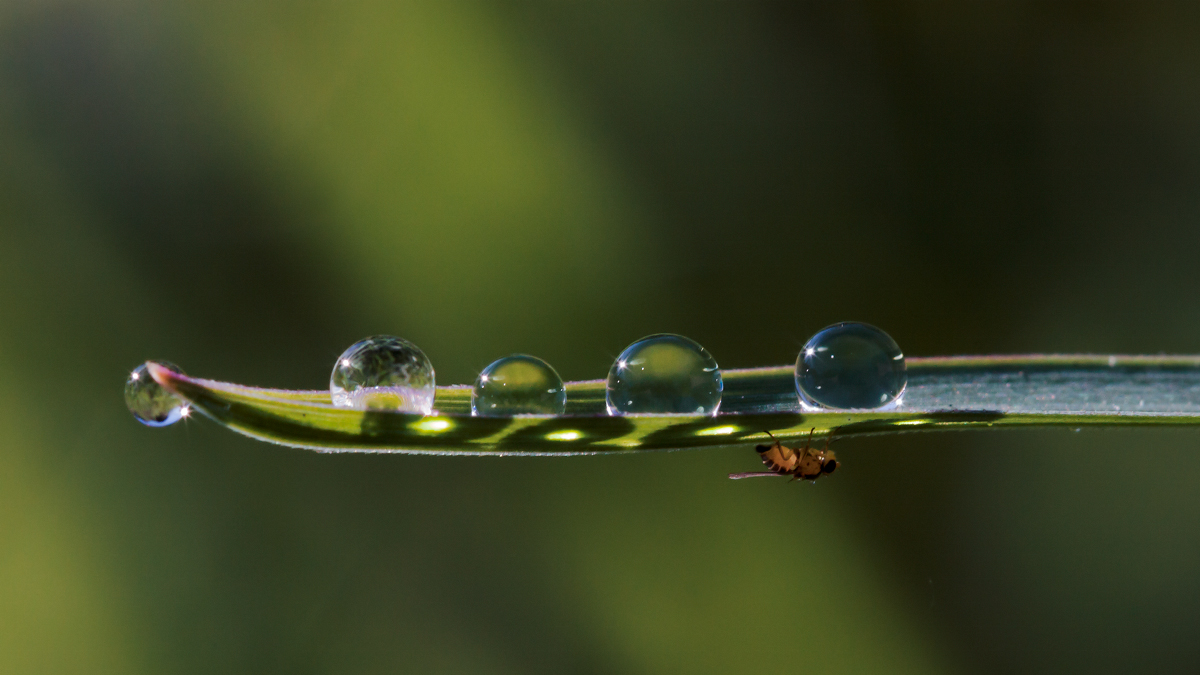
{"x": 942, "y": 393}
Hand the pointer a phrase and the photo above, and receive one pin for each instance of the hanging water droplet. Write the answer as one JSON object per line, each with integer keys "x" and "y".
{"x": 518, "y": 385}
{"x": 383, "y": 373}
{"x": 850, "y": 365}
{"x": 149, "y": 402}
{"x": 664, "y": 373}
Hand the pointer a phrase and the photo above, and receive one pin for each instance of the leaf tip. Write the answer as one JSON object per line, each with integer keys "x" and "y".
{"x": 161, "y": 374}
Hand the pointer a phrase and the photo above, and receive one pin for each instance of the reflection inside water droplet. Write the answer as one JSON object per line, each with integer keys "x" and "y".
{"x": 383, "y": 372}
{"x": 664, "y": 373}
{"x": 149, "y": 402}
{"x": 518, "y": 385}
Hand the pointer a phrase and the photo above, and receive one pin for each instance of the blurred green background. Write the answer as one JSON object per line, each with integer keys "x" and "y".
{"x": 246, "y": 188}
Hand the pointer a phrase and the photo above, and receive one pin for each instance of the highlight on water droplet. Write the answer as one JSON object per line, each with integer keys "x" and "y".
{"x": 383, "y": 372}
{"x": 149, "y": 402}
{"x": 518, "y": 385}
{"x": 850, "y": 365}
{"x": 664, "y": 373}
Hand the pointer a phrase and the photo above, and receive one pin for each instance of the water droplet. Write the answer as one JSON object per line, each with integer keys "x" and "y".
{"x": 149, "y": 402}
{"x": 518, "y": 385}
{"x": 664, "y": 373}
{"x": 868, "y": 371}
{"x": 383, "y": 373}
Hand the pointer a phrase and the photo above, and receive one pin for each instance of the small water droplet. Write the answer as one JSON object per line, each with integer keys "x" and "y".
{"x": 149, "y": 402}
{"x": 383, "y": 372}
{"x": 868, "y": 373}
{"x": 518, "y": 385}
{"x": 664, "y": 373}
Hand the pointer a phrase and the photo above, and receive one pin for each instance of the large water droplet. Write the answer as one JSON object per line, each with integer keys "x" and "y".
{"x": 149, "y": 402}
{"x": 664, "y": 373}
{"x": 850, "y": 365}
{"x": 518, "y": 385}
{"x": 383, "y": 373}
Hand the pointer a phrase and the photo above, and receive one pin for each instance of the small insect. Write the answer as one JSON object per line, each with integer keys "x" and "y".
{"x": 802, "y": 464}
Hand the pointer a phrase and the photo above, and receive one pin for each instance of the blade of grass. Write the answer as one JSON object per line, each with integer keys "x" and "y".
{"x": 943, "y": 393}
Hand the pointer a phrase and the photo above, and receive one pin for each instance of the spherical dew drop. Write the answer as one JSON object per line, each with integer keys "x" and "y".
{"x": 383, "y": 373}
{"x": 850, "y": 365}
{"x": 664, "y": 373}
{"x": 149, "y": 402}
{"x": 518, "y": 385}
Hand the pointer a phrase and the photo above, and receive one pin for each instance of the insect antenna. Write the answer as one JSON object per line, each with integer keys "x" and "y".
{"x": 755, "y": 474}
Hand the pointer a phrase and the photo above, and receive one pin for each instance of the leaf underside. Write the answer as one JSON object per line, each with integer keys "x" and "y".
{"x": 942, "y": 393}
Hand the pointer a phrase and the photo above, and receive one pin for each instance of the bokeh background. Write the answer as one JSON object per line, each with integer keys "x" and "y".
{"x": 246, "y": 188}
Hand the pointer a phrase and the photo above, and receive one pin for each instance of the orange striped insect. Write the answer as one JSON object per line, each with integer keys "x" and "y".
{"x": 802, "y": 464}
